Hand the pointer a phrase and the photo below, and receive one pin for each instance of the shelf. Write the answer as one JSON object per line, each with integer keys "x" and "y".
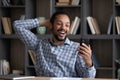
{"x": 103, "y": 36}
{"x": 105, "y": 68}
{"x": 68, "y": 6}
{"x": 69, "y": 36}
{"x": 14, "y": 6}
{"x": 13, "y": 36}
{"x": 117, "y": 5}
{"x": 30, "y": 66}
{"x": 99, "y": 36}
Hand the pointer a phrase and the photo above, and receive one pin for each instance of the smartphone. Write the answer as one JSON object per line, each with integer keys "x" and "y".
{"x": 86, "y": 41}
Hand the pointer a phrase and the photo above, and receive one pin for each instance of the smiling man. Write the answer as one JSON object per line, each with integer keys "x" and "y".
{"x": 57, "y": 56}
{"x": 60, "y": 27}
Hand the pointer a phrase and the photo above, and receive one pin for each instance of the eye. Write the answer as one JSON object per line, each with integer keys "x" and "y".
{"x": 68, "y": 25}
{"x": 58, "y": 23}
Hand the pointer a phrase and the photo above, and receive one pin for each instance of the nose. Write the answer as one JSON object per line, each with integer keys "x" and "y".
{"x": 63, "y": 26}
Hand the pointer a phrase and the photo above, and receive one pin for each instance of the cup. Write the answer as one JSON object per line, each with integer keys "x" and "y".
{"x": 41, "y": 30}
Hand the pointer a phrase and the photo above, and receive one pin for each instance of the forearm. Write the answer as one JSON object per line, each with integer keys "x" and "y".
{"x": 27, "y": 24}
{"x": 83, "y": 70}
{"x": 92, "y": 72}
{"x": 22, "y": 29}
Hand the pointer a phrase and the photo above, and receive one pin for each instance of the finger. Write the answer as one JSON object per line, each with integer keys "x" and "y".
{"x": 87, "y": 50}
{"x": 85, "y": 45}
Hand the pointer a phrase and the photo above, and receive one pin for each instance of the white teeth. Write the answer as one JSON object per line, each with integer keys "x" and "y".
{"x": 62, "y": 32}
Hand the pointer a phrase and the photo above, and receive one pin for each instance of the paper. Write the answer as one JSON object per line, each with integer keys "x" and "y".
{"x": 65, "y": 78}
{"x": 24, "y": 77}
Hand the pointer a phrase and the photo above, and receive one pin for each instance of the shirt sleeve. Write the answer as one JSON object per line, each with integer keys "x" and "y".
{"x": 23, "y": 30}
{"x": 84, "y": 71}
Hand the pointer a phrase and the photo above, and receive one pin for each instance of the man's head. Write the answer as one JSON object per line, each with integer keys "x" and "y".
{"x": 60, "y": 25}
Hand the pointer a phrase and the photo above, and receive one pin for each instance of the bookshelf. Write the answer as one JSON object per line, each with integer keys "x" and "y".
{"x": 77, "y": 9}
{"x": 12, "y": 49}
{"x": 105, "y": 46}
{"x": 102, "y": 44}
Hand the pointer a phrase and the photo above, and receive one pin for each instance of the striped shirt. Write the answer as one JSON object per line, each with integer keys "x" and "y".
{"x": 53, "y": 60}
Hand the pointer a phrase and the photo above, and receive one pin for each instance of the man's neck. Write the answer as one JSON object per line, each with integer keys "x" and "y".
{"x": 56, "y": 42}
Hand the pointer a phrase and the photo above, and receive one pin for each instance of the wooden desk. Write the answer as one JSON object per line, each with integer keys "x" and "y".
{"x": 48, "y": 78}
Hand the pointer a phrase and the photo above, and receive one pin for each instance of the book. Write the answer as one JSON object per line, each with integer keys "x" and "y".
{"x": 90, "y": 23}
{"x": 22, "y": 17}
{"x": 6, "y": 2}
{"x": 32, "y": 56}
{"x": 3, "y": 3}
{"x": 75, "y": 2}
{"x": 117, "y": 20}
{"x": 96, "y": 26}
{"x": 110, "y": 24}
{"x": 74, "y": 25}
{"x": 16, "y": 71}
{"x": 6, "y": 25}
{"x": 4, "y": 67}
{"x": 118, "y": 1}
{"x": 10, "y": 25}
{"x": 62, "y": 3}
{"x": 118, "y": 27}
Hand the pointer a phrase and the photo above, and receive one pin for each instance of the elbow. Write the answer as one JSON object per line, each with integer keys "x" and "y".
{"x": 16, "y": 25}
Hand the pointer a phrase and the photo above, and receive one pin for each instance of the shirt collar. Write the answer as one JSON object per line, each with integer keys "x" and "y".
{"x": 66, "y": 42}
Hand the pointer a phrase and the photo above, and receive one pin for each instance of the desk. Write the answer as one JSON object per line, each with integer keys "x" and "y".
{"x": 48, "y": 78}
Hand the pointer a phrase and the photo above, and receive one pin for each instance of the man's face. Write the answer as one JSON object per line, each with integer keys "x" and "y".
{"x": 61, "y": 27}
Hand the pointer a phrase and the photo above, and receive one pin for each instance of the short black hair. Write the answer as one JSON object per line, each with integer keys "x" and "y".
{"x": 52, "y": 19}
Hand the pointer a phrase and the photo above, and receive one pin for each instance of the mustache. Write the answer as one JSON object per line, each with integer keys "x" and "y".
{"x": 62, "y": 30}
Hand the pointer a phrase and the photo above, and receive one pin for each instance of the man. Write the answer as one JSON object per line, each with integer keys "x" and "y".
{"x": 57, "y": 56}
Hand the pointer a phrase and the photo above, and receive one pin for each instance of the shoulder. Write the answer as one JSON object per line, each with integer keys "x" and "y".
{"x": 74, "y": 43}
{"x": 71, "y": 42}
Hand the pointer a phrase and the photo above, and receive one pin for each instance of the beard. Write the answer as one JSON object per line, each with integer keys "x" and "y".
{"x": 58, "y": 38}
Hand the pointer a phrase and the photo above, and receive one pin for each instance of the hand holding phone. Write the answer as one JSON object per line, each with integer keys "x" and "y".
{"x": 85, "y": 51}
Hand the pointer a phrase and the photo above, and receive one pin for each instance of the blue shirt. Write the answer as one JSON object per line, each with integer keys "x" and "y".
{"x": 53, "y": 60}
